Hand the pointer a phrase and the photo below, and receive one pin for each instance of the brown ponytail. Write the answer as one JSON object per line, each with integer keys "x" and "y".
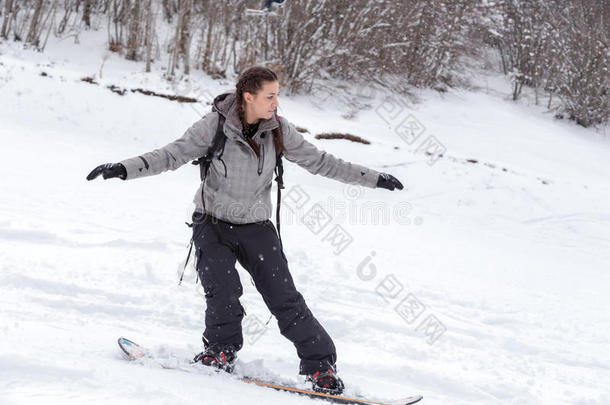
{"x": 251, "y": 81}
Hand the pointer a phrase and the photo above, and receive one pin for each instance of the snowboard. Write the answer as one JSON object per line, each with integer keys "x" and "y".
{"x": 257, "y": 12}
{"x": 132, "y": 351}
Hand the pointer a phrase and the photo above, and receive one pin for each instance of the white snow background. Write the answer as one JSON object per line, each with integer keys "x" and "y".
{"x": 510, "y": 254}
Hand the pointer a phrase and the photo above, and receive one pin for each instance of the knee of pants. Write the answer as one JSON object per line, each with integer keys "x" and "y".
{"x": 219, "y": 280}
{"x": 289, "y": 307}
{"x": 222, "y": 297}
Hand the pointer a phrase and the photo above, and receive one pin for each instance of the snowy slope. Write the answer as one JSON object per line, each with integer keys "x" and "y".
{"x": 509, "y": 253}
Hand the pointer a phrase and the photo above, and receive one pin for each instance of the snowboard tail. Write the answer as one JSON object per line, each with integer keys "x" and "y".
{"x": 132, "y": 351}
{"x": 338, "y": 399}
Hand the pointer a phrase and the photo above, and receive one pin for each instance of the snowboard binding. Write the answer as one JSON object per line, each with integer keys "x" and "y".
{"x": 220, "y": 358}
{"x": 326, "y": 382}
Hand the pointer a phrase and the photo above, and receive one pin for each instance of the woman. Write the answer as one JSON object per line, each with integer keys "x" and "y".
{"x": 231, "y": 219}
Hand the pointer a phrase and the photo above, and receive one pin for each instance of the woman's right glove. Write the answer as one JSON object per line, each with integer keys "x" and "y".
{"x": 108, "y": 171}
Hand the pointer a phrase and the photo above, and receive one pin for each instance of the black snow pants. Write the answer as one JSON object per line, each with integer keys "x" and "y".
{"x": 257, "y": 248}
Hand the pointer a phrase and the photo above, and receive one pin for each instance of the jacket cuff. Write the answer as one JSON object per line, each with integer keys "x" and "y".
{"x": 370, "y": 177}
{"x": 135, "y": 167}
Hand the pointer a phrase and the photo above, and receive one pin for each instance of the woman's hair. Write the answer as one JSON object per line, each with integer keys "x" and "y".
{"x": 251, "y": 81}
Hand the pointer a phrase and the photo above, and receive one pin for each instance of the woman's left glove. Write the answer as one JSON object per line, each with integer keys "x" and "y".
{"x": 389, "y": 182}
{"x": 109, "y": 170}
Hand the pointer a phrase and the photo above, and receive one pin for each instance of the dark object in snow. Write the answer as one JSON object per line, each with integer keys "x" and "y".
{"x": 335, "y": 135}
{"x": 180, "y": 99}
{"x": 122, "y": 91}
{"x": 88, "y": 79}
{"x": 432, "y": 154}
{"x": 117, "y": 90}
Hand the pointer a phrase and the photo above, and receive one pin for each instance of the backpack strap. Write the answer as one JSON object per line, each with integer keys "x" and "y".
{"x": 279, "y": 178}
{"x": 215, "y": 150}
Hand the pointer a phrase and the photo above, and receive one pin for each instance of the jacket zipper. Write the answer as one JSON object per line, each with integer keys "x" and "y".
{"x": 261, "y": 158}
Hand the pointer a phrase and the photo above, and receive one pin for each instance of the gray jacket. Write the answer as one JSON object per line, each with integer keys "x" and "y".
{"x": 244, "y": 195}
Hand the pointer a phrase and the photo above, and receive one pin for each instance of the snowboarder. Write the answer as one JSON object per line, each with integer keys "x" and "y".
{"x": 231, "y": 219}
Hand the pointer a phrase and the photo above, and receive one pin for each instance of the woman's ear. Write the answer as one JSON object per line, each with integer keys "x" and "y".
{"x": 248, "y": 97}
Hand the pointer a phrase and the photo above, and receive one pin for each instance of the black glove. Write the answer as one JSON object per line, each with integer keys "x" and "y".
{"x": 388, "y": 181}
{"x": 108, "y": 171}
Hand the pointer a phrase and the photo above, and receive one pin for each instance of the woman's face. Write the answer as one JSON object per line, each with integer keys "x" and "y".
{"x": 262, "y": 104}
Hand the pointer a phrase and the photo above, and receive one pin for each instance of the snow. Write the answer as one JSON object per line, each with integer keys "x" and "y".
{"x": 509, "y": 253}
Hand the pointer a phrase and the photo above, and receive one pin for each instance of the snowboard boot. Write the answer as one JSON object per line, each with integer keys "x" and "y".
{"x": 326, "y": 382}
{"x": 219, "y": 357}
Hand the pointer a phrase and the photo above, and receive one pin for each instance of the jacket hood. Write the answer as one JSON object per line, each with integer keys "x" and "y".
{"x": 226, "y": 105}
